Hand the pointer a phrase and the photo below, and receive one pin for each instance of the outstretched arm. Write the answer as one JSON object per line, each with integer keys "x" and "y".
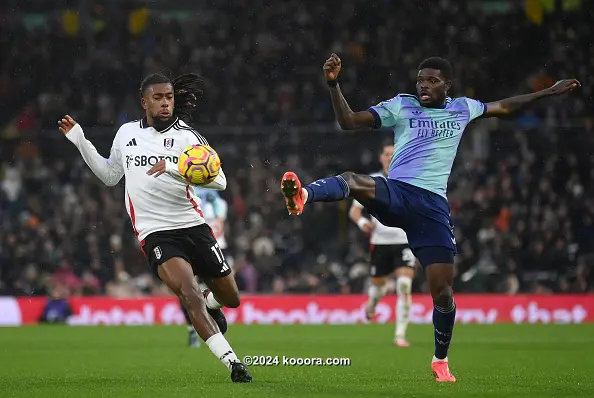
{"x": 347, "y": 119}
{"x": 111, "y": 170}
{"x": 512, "y": 105}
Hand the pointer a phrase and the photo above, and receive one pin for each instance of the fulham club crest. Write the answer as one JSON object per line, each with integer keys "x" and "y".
{"x": 158, "y": 252}
{"x": 168, "y": 142}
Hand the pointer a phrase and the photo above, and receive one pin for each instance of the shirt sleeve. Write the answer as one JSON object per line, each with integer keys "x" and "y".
{"x": 219, "y": 183}
{"x": 110, "y": 171}
{"x": 476, "y": 108}
{"x": 386, "y": 112}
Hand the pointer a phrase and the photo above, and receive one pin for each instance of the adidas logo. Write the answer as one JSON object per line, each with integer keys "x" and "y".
{"x": 132, "y": 143}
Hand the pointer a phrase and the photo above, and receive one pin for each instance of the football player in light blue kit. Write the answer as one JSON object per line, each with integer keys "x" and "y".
{"x": 427, "y": 129}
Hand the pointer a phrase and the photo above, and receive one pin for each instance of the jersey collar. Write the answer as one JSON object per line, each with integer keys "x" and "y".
{"x": 447, "y": 101}
{"x": 144, "y": 124}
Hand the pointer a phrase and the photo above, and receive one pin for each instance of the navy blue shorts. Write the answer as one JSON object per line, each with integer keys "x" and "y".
{"x": 423, "y": 215}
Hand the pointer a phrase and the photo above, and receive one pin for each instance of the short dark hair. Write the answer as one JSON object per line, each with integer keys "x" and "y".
{"x": 441, "y": 64}
{"x": 187, "y": 90}
{"x": 153, "y": 78}
{"x": 385, "y": 143}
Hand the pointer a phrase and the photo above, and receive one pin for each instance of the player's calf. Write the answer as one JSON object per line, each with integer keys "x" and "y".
{"x": 331, "y": 189}
{"x": 222, "y": 292}
{"x": 440, "y": 277}
{"x": 225, "y": 292}
{"x": 444, "y": 317}
{"x": 377, "y": 289}
{"x": 191, "y": 297}
{"x": 403, "y": 304}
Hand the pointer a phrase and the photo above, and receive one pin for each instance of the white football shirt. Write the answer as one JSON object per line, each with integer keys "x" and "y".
{"x": 382, "y": 235}
{"x": 153, "y": 203}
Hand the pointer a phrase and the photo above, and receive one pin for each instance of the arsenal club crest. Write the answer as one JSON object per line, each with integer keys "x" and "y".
{"x": 168, "y": 142}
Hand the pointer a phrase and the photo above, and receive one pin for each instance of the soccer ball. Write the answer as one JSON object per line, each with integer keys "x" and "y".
{"x": 199, "y": 164}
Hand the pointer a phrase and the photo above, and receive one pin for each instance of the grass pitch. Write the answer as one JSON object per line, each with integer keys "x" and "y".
{"x": 488, "y": 360}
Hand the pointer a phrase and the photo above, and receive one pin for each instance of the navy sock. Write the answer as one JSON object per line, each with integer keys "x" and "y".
{"x": 187, "y": 316}
{"x": 331, "y": 189}
{"x": 443, "y": 322}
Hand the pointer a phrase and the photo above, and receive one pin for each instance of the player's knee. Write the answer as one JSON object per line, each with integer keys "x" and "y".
{"x": 443, "y": 296}
{"x": 379, "y": 281}
{"x": 360, "y": 186}
{"x": 349, "y": 177}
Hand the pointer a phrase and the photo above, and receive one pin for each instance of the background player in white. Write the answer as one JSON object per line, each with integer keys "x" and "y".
{"x": 164, "y": 211}
{"x": 214, "y": 209}
{"x": 390, "y": 254}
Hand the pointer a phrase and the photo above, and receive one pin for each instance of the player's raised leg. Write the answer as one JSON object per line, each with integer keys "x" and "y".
{"x": 331, "y": 189}
{"x": 404, "y": 278}
{"x": 178, "y": 275}
{"x": 440, "y": 277}
{"x": 223, "y": 292}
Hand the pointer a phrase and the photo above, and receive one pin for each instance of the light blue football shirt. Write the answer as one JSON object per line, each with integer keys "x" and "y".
{"x": 210, "y": 196}
{"x": 425, "y": 139}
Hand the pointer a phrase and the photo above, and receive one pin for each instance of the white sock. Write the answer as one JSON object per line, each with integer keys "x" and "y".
{"x": 221, "y": 349}
{"x": 191, "y": 328}
{"x": 435, "y": 359}
{"x": 212, "y": 303}
{"x": 376, "y": 293}
{"x": 403, "y": 303}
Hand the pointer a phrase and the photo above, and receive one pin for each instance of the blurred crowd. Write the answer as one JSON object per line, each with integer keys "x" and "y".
{"x": 524, "y": 212}
{"x": 261, "y": 63}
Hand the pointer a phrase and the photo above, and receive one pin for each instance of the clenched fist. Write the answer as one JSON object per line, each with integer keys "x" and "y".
{"x": 332, "y": 67}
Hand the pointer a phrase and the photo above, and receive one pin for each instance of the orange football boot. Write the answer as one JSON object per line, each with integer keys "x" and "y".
{"x": 291, "y": 188}
{"x": 442, "y": 373}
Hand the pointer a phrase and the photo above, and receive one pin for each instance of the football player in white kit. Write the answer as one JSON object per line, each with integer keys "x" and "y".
{"x": 165, "y": 214}
{"x": 390, "y": 255}
{"x": 214, "y": 209}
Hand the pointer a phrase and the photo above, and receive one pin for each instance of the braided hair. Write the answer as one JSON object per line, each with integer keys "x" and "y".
{"x": 187, "y": 91}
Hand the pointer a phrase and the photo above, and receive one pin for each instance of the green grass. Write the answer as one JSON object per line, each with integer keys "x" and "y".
{"x": 488, "y": 360}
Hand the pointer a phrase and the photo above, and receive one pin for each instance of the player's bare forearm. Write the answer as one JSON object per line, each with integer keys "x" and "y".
{"x": 355, "y": 213}
{"x": 511, "y": 105}
{"x": 347, "y": 119}
{"x": 342, "y": 110}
